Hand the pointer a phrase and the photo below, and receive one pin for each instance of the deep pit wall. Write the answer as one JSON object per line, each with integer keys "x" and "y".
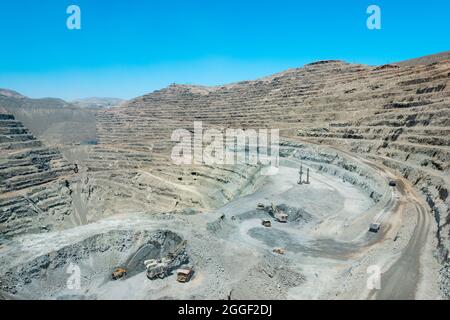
{"x": 327, "y": 162}
{"x": 34, "y": 182}
{"x": 42, "y": 189}
{"x": 99, "y": 194}
{"x": 334, "y": 163}
{"x": 109, "y": 181}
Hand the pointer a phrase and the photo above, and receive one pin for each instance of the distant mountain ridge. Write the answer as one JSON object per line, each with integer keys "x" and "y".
{"x": 11, "y": 94}
{"x": 53, "y": 120}
{"x": 98, "y": 102}
{"x": 13, "y": 99}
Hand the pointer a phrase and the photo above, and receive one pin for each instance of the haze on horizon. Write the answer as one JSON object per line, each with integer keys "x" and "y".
{"x": 128, "y": 49}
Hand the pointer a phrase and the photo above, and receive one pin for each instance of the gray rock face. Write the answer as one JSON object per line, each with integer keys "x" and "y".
{"x": 34, "y": 181}
{"x": 97, "y": 257}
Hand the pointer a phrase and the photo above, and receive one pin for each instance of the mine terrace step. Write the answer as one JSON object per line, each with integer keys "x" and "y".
{"x": 16, "y": 138}
{"x": 19, "y": 145}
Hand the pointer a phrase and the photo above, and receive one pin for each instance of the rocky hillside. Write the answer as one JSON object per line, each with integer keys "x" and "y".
{"x": 34, "y": 181}
{"x": 434, "y": 58}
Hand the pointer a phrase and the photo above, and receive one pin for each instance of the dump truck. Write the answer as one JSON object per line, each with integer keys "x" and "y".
{"x": 119, "y": 273}
{"x": 266, "y": 223}
{"x": 161, "y": 268}
{"x": 184, "y": 274}
{"x": 278, "y": 250}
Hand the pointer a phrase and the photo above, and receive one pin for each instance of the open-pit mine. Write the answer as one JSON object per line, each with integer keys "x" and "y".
{"x": 93, "y": 206}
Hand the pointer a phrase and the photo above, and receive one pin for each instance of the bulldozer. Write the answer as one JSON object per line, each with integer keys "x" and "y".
{"x": 161, "y": 268}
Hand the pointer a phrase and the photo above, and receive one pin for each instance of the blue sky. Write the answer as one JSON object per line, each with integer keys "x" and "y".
{"x": 126, "y": 48}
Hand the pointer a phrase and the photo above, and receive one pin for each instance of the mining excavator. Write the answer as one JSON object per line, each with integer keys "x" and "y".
{"x": 278, "y": 214}
{"x": 161, "y": 268}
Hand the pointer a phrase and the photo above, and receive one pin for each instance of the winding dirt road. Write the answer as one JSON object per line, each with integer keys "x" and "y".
{"x": 401, "y": 280}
